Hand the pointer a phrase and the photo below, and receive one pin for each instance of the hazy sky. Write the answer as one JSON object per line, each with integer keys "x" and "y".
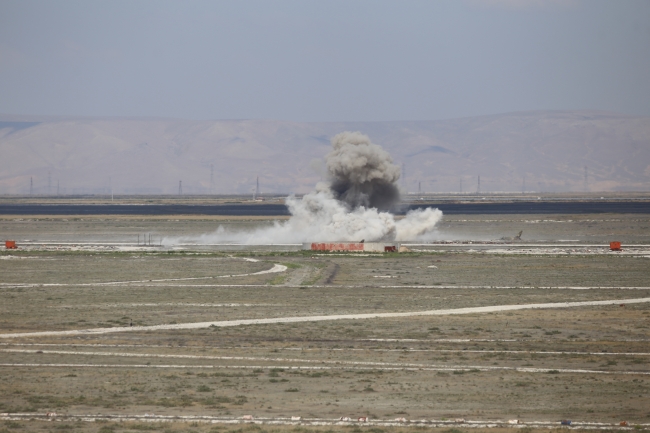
{"x": 322, "y": 60}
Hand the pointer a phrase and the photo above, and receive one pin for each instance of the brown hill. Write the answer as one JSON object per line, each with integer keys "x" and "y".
{"x": 550, "y": 150}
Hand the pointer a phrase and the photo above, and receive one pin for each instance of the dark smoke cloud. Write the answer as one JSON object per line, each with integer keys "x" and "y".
{"x": 362, "y": 173}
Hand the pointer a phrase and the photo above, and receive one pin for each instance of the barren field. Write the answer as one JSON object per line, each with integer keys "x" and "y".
{"x": 115, "y": 336}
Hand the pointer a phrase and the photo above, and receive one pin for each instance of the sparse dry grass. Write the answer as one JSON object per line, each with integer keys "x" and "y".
{"x": 263, "y": 379}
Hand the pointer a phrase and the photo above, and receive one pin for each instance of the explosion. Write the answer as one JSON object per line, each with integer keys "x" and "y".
{"x": 353, "y": 205}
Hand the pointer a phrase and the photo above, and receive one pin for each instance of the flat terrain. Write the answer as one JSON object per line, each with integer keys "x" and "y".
{"x": 118, "y": 353}
{"x": 588, "y": 229}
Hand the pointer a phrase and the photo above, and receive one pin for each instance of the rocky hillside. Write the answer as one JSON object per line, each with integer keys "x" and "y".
{"x": 535, "y": 151}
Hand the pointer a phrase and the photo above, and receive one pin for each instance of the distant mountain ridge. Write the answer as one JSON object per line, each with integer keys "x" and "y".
{"x": 532, "y": 151}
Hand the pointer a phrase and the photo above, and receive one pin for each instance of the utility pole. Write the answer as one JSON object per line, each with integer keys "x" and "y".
{"x": 57, "y": 187}
{"x": 180, "y": 187}
{"x": 478, "y": 188}
{"x": 211, "y": 178}
{"x": 31, "y": 185}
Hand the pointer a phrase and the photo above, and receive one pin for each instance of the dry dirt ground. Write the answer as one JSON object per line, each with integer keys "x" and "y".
{"x": 588, "y": 229}
{"x": 589, "y": 364}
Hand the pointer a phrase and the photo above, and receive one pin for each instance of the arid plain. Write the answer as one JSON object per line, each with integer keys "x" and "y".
{"x": 112, "y": 335}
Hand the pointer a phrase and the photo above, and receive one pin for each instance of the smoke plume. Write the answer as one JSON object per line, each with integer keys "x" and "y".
{"x": 362, "y": 173}
{"x": 353, "y": 205}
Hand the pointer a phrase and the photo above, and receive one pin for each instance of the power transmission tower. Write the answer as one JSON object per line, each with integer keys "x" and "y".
{"x": 257, "y": 188}
{"x": 180, "y": 187}
{"x": 211, "y": 179}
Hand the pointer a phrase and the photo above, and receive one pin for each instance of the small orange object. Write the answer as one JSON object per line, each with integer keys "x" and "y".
{"x": 10, "y": 245}
{"x": 624, "y": 424}
{"x": 615, "y": 246}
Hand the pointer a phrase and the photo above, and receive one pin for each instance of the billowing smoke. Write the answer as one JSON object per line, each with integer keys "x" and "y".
{"x": 362, "y": 173}
{"x": 353, "y": 205}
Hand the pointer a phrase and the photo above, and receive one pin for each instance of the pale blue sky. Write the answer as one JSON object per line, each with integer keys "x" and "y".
{"x": 322, "y": 60}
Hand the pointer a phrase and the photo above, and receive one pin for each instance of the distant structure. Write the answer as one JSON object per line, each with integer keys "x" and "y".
{"x": 211, "y": 178}
{"x": 478, "y": 187}
{"x": 31, "y": 185}
{"x": 513, "y": 238}
{"x": 49, "y": 183}
{"x": 461, "y": 185}
{"x": 180, "y": 187}
{"x": 257, "y": 188}
{"x": 419, "y": 188}
{"x": 57, "y": 187}
{"x": 404, "y": 176}
{"x": 377, "y": 247}
{"x": 523, "y": 185}
{"x": 110, "y": 186}
{"x": 586, "y": 178}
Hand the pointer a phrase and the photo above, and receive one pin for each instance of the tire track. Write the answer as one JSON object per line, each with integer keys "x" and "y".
{"x": 227, "y": 323}
{"x": 300, "y": 421}
{"x": 331, "y": 349}
{"x": 275, "y": 269}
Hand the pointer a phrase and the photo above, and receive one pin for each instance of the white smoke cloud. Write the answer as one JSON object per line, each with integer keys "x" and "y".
{"x": 352, "y": 206}
{"x": 418, "y": 225}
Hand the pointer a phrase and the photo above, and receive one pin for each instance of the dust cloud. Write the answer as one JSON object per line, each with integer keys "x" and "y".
{"x": 354, "y": 204}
